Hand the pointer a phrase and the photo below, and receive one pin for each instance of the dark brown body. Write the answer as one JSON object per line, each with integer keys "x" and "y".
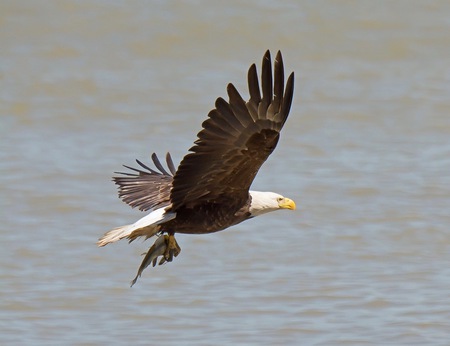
{"x": 207, "y": 218}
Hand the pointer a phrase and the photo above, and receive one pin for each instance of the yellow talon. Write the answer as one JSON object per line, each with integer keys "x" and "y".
{"x": 172, "y": 248}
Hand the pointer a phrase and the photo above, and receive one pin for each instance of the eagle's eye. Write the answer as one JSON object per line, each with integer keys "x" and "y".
{"x": 279, "y": 199}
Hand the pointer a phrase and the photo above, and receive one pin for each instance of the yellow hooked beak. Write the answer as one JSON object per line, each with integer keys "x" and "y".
{"x": 287, "y": 203}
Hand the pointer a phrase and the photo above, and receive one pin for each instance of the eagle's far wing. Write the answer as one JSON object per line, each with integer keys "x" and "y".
{"x": 146, "y": 189}
{"x": 235, "y": 141}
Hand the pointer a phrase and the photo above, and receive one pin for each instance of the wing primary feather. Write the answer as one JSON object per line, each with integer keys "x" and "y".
{"x": 170, "y": 164}
{"x": 255, "y": 95}
{"x": 143, "y": 165}
{"x": 221, "y": 121}
{"x": 137, "y": 170}
{"x": 158, "y": 164}
{"x": 128, "y": 174}
{"x": 237, "y": 104}
{"x": 253, "y": 84}
{"x": 214, "y": 128}
{"x": 226, "y": 111}
{"x": 288, "y": 96}
{"x": 266, "y": 80}
{"x": 278, "y": 82}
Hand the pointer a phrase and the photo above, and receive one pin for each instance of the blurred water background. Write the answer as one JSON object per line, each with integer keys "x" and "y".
{"x": 87, "y": 86}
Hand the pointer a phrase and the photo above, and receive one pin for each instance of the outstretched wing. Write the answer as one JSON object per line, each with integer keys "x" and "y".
{"x": 146, "y": 189}
{"x": 235, "y": 141}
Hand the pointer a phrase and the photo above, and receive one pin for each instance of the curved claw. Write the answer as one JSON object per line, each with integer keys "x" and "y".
{"x": 172, "y": 249}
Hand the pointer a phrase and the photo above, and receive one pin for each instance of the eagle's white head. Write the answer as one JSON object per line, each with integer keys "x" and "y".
{"x": 264, "y": 202}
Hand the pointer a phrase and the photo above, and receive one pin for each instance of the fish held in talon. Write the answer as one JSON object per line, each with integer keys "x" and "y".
{"x": 210, "y": 189}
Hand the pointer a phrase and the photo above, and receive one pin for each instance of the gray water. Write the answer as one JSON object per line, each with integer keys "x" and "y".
{"x": 365, "y": 260}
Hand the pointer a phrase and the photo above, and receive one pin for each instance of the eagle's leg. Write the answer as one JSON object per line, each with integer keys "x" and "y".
{"x": 172, "y": 248}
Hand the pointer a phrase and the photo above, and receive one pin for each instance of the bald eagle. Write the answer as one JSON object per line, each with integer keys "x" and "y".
{"x": 210, "y": 190}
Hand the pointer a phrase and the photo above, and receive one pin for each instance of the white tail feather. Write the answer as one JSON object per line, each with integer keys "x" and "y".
{"x": 115, "y": 235}
{"x": 148, "y": 226}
